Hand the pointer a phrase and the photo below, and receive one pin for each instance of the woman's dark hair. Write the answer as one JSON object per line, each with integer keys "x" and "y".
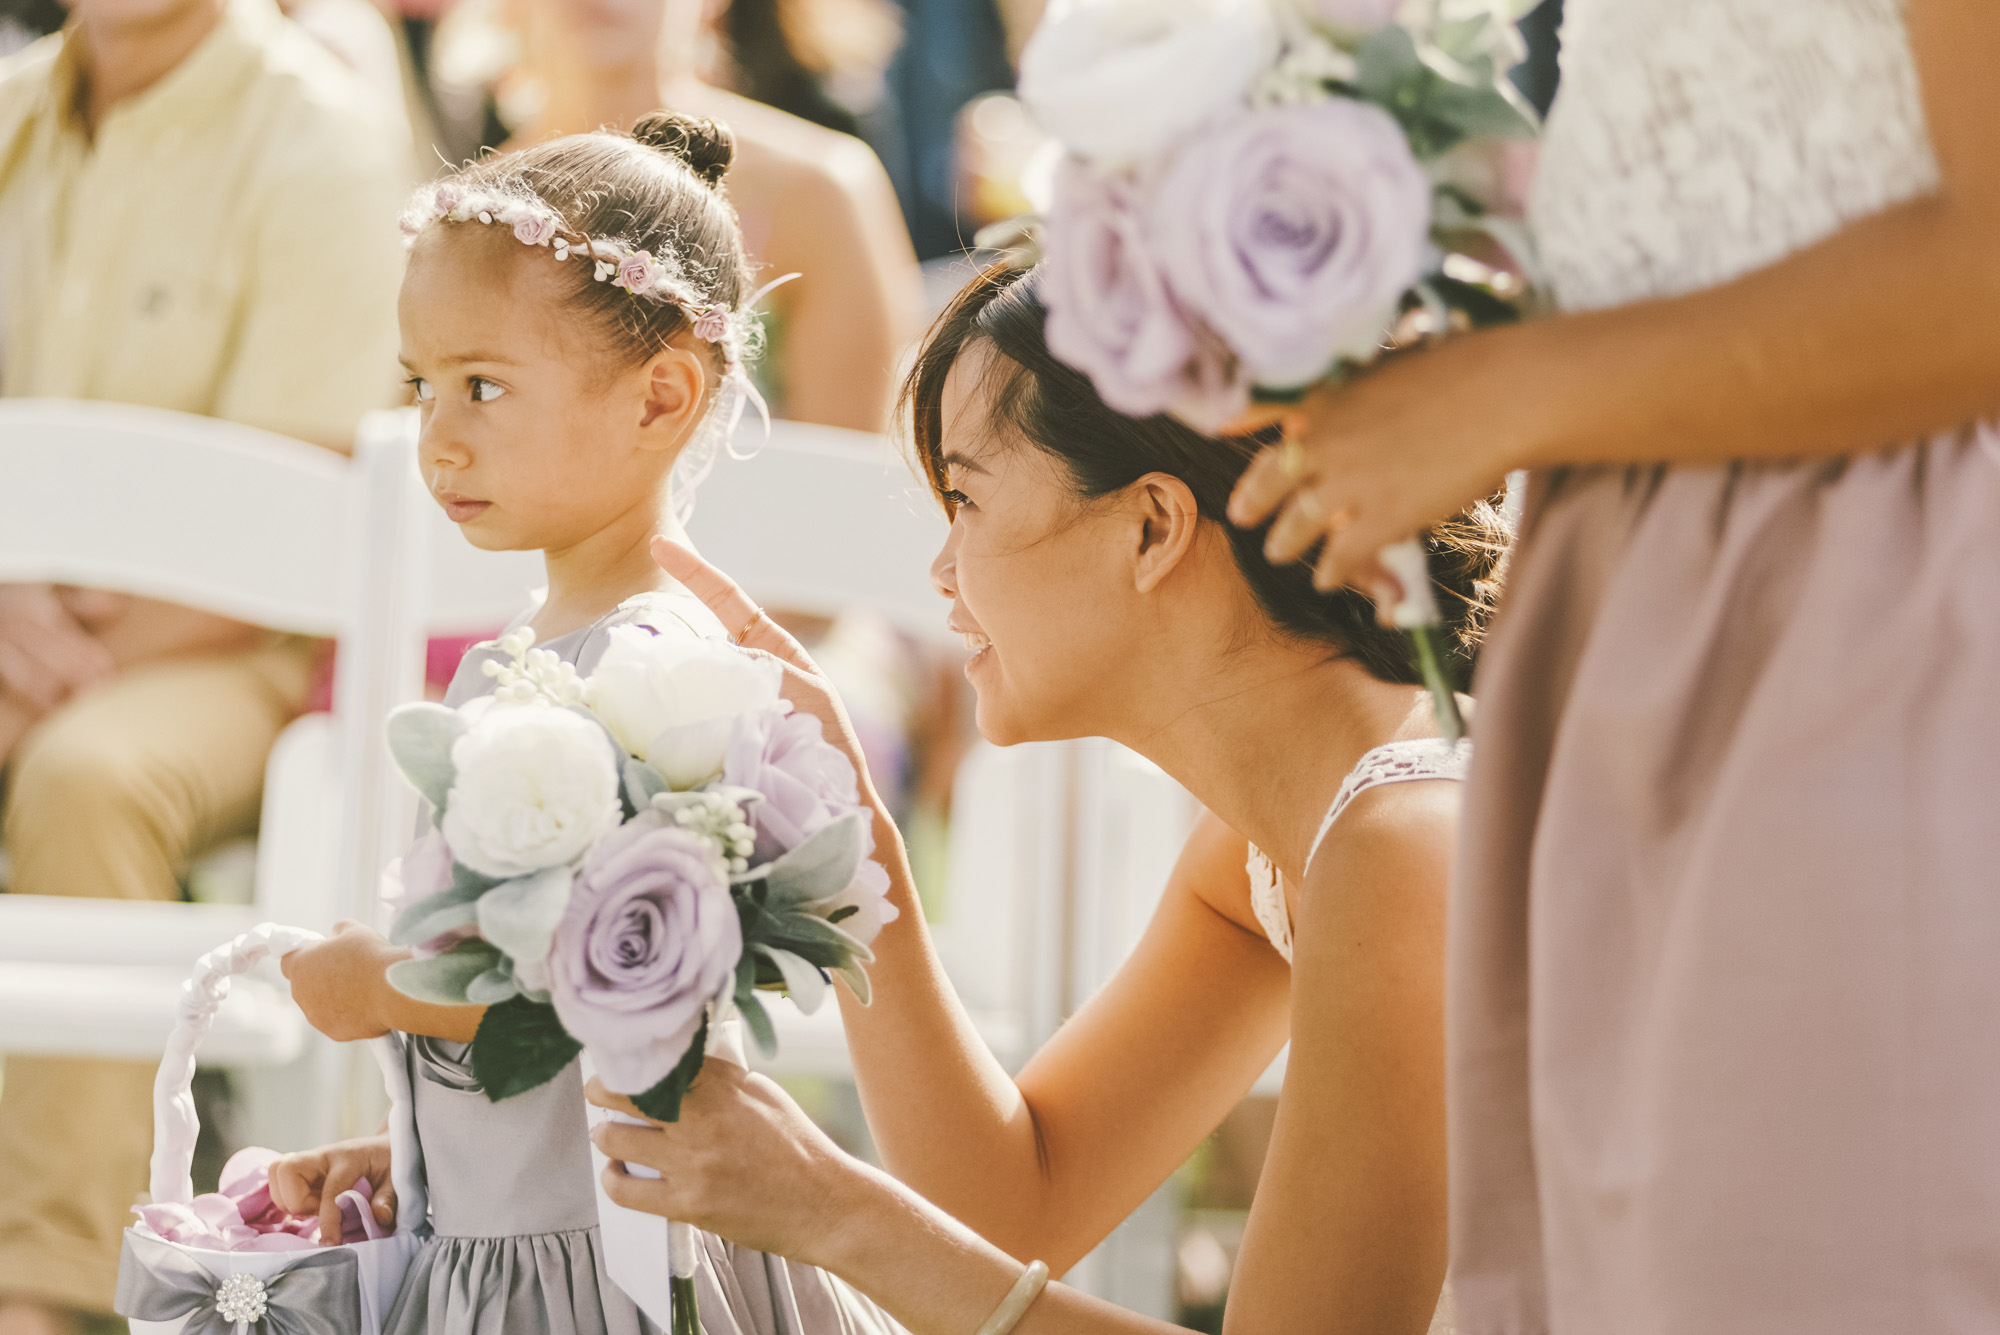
{"x": 786, "y": 52}
{"x": 1050, "y": 405}
{"x": 658, "y": 189}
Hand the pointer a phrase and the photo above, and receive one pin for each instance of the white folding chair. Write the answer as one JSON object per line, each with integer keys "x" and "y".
{"x": 264, "y": 529}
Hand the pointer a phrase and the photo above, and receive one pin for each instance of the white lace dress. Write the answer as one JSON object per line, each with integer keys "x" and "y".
{"x": 1725, "y": 940}
{"x": 1394, "y": 762}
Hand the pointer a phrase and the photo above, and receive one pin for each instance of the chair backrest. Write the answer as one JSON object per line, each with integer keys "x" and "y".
{"x": 236, "y": 521}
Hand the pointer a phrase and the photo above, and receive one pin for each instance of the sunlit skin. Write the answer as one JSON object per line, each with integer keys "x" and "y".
{"x": 536, "y": 436}
{"x": 1124, "y": 617}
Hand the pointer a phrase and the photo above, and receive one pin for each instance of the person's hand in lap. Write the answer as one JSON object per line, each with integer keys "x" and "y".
{"x": 46, "y": 653}
{"x": 311, "y": 1182}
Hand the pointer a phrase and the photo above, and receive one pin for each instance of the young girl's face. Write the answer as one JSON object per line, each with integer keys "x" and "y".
{"x": 529, "y": 441}
{"x": 1040, "y": 584}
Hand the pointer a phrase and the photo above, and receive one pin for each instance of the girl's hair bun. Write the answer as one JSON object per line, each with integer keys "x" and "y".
{"x": 706, "y": 146}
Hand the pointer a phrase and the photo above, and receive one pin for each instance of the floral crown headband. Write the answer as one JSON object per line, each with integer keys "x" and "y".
{"x": 621, "y": 264}
{"x": 616, "y": 262}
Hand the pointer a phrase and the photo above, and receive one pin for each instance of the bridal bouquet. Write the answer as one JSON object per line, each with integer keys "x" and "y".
{"x": 619, "y": 861}
{"x": 1259, "y": 195}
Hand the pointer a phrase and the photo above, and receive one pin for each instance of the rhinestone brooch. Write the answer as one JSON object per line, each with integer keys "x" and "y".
{"x": 241, "y": 1298}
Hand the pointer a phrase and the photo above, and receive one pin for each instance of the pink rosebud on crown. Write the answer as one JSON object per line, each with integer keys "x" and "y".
{"x": 635, "y": 272}
{"x": 448, "y": 197}
{"x": 535, "y": 229}
{"x": 712, "y": 325}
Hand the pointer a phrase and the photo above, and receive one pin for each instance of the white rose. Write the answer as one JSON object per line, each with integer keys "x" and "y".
{"x": 672, "y": 701}
{"x": 1118, "y": 81}
{"x": 535, "y": 786}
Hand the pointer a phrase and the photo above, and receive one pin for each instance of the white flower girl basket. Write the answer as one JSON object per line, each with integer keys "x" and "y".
{"x": 168, "y": 1288}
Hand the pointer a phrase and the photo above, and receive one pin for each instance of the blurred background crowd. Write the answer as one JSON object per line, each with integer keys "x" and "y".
{"x": 197, "y": 212}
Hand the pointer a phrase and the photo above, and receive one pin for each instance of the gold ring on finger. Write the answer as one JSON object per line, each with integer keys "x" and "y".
{"x": 1292, "y": 458}
{"x": 755, "y": 616}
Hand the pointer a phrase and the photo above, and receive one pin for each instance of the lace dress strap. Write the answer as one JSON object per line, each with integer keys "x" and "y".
{"x": 1392, "y": 762}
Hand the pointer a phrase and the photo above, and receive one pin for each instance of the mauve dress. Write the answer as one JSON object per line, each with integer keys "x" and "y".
{"x": 1725, "y": 957}
{"x": 513, "y": 1208}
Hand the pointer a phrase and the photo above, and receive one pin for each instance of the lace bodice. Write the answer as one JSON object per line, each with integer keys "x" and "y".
{"x": 1395, "y": 762}
{"x": 1696, "y": 141}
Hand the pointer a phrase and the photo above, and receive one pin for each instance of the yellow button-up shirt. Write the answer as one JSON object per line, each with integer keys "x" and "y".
{"x": 225, "y": 244}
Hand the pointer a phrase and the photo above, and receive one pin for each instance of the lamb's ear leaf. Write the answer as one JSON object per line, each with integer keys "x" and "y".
{"x": 442, "y": 980}
{"x": 804, "y": 983}
{"x": 420, "y": 738}
{"x": 857, "y": 981}
{"x": 434, "y": 915}
{"x": 520, "y": 1045}
{"x": 662, "y": 1102}
{"x": 816, "y": 939}
{"x": 641, "y": 782}
{"x": 759, "y": 1022}
{"x": 824, "y": 863}
{"x": 493, "y": 987}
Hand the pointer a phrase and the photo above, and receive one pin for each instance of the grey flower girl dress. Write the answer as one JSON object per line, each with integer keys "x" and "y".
{"x": 513, "y": 1208}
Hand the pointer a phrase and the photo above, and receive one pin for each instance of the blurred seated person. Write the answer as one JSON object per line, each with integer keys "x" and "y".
{"x": 812, "y": 200}
{"x": 197, "y": 212}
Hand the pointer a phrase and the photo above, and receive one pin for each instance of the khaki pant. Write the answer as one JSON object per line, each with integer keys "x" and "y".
{"x": 110, "y": 797}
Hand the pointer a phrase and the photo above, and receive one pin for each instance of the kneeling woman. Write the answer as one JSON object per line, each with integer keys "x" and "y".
{"x": 1090, "y": 562}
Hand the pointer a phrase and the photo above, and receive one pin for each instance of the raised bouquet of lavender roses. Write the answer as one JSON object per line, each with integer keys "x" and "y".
{"x": 619, "y": 861}
{"x": 1259, "y": 195}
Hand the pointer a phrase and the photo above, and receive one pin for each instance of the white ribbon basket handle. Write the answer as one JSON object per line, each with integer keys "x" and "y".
{"x": 175, "y": 1125}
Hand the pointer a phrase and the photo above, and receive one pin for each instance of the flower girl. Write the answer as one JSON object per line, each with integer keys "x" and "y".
{"x": 575, "y": 321}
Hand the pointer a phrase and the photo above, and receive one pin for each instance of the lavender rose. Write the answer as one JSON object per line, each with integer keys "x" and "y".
{"x": 649, "y": 939}
{"x": 1110, "y": 313}
{"x": 806, "y": 783}
{"x": 1294, "y": 231}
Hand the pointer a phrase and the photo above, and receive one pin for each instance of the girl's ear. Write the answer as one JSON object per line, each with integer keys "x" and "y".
{"x": 1168, "y": 522}
{"x": 676, "y": 379}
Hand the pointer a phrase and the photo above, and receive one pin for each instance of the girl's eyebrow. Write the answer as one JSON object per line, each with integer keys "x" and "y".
{"x": 466, "y": 359}
{"x": 969, "y": 464}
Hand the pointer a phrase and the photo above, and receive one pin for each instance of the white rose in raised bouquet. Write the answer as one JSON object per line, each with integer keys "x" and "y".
{"x": 1117, "y": 80}
{"x": 534, "y": 787}
{"x": 674, "y": 703}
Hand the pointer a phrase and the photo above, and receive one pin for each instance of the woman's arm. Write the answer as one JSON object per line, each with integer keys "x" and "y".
{"x": 1347, "y": 1232}
{"x": 1885, "y": 331}
{"x": 1046, "y": 1164}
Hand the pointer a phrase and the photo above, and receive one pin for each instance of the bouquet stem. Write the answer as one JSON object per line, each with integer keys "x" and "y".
{"x": 1417, "y": 612}
{"x": 687, "y": 1320}
{"x": 1444, "y": 699}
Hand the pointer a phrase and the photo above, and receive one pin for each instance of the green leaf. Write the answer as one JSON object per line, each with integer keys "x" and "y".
{"x": 758, "y": 1020}
{"x": 520, "y": 1045}
{"x": 820, "y": 867}
{"x": 804, "y": 984}
{"x": 814, "y": 937}
{"x": 434, "y": 915}
{"x": 442, "y": 980}
{"x": 494, "y": 986}
{"x": 641, "y": 782}
{"x": 857, "y": 981}
{"x": 662, "y": 1102}
{"x": 520, "y": 916}
{"x": 420, "y": 738}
